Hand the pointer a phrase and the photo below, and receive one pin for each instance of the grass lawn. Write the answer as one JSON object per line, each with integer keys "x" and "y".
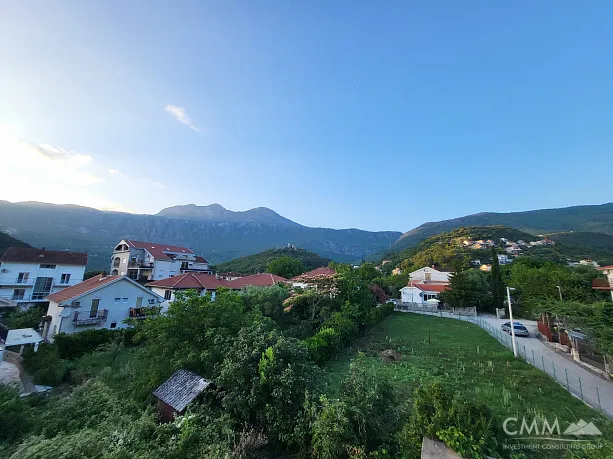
{"x": 468, "y": 361}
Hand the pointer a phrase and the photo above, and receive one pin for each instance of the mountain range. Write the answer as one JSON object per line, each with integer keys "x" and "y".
{"x": 221, "y": 234}
{"x": 217, "y": 233}
{"x": 595, "y": 219}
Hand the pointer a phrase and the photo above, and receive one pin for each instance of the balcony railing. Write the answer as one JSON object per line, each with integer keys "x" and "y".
{"x": 90, "y": 317}
{"x": 140, "y": 264}
{"x": 14, "y": 297}
{"x": 16, "y": 281}
{"x": 142, "y": 313}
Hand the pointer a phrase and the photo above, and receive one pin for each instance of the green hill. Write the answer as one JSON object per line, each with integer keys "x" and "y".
{"x": 596, "y": 219}
{"x": 7, "y": 241}
{"x": 446, "y": 250}
{"x": 258, "y": 262}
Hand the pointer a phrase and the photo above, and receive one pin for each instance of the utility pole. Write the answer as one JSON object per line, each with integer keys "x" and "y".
{"x": 512, "y": 324}
{"x": 560, "y": 291}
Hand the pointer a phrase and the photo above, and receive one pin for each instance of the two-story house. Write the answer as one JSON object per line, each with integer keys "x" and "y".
{"x": 102, "y": 301}
{"x": 28, "y": 275}
{"x": 148, "y": 261}
{"x": 427, "y": 274}
{"x": 604, "y": 284}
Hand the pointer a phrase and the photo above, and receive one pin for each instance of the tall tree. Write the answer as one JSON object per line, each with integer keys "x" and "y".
{"x": 287, "y": 267}
{"x": 497, "y": 283}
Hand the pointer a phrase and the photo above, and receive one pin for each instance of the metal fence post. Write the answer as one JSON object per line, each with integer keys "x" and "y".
{"x": 581, "y": 387}
{"x": 533, "y": 362}
{"x": 543, "y": 359}
{"x": 598, "y": 395}
{"x": 554, "y": 370}
{"x": 567, "y": 383}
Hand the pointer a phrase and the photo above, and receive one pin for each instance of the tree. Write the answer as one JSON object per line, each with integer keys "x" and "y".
{"x": 287, "y": 267}
{"x": 497, "y": 283}
{"x": 466, "y": 289}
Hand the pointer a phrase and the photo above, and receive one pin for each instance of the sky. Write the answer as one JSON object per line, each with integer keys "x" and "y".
{"x": 343, "y": 114}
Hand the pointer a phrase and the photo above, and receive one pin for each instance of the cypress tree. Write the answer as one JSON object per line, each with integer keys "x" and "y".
{"x": 497, "y": 283}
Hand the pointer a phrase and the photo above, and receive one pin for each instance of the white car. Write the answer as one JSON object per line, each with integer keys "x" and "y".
{"x": 520, "y": 329}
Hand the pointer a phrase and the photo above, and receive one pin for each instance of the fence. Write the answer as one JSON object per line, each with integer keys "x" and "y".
{"x": 591, "y": 389}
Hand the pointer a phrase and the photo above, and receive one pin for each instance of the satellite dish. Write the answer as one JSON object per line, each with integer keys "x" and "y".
{"x": 66, "y": 312}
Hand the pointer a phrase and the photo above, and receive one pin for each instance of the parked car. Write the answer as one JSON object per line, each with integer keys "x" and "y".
{"x": 520, "y": 329}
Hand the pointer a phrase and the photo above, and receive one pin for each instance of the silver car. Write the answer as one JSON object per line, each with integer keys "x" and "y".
{"x": 520, "y": 329}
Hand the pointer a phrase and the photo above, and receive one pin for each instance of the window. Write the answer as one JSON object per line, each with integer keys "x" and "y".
{"x": 113, "y": 325}
{"x": 22, "y": 278}
{"x": 42, "y": 287}
{"x": 65, "y": 279}
{"x": 428, "y": 276}
{"x": 19, "y": 293}
{"x": 184, "y": 265}
{"x": 47, "y": 266}
{"x": 167, "y": 294}
{"x": 139, "y": 301}
{"x": 117, "y": 300}
{"x": 94, "y": 310}
{"x": 124, "y": 300}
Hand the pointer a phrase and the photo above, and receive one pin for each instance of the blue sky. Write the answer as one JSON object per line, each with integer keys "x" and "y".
{"x": 376, "y": 115}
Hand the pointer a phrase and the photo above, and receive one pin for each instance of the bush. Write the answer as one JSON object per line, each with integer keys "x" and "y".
{"x": 28, "y": 318}
{"x": 45, "y": 366}
{"x": 16, "y": 416}
{"x": 78, "y": 344}
{"x": 464, "y": 426}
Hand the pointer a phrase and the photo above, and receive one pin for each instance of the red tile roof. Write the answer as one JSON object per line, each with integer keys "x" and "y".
{"x": 201, "y": 281}
{"x": 157, "y": 250}
{"x": 55, "y": 257}
{"x": 80, "y": 289}
{"x": 316, "y": 272}
{"x": 258, "y": 280}
{"x": 430, "y": 287}
{"x": 191, "y": 280}
{"x": 601, "y": 284}
{"x": 602, "y": 268}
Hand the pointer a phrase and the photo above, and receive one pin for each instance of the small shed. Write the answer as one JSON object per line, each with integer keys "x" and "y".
{"x": 177, "y": 392}
{"x": 19, "y": 337}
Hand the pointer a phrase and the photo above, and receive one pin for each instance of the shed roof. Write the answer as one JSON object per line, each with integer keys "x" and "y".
{"x": 181, "y": 389}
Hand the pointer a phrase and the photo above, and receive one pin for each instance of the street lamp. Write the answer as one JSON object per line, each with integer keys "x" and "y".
{"x": 560, "y": 290}
{"x": 512, "y": 324}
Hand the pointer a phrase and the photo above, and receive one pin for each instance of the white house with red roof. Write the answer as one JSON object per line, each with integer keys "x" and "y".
{"x": 149, "y": 261}
{"x": 420, "y": 293}
{"x": 430, "y": 274}
{"x": 103, "y": 301}
{"x": 208, "y": 284}
{"x": 604, "y": 284}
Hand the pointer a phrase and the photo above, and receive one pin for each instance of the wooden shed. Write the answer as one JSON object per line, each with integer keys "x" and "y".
{"x": 177, "y": 392}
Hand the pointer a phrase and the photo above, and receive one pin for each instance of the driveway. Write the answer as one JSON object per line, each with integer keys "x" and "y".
{"x": 597, "y": 390}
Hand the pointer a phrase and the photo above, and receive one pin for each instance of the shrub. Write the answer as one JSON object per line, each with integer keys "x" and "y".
{"x": 78, "y": 344}
{"x": 464, "y": 426}
{"x": 45, "y": 366}
{"x": 16, "y": 416}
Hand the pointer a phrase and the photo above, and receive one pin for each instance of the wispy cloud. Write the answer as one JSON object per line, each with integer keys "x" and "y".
{"x": 115, "y": 172}
{"x": 181, "y": 115}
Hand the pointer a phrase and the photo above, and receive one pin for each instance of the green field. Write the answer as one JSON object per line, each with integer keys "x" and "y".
{"x": 468, "y": 361}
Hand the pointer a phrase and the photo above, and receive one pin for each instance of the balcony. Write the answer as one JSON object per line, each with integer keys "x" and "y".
{"x": 90, "y": 317}
{"x": 17, "y": 281}
{"x": 140, "y": 264}
{"x": 14, "y": 297}
{"x": 142, "y": 313}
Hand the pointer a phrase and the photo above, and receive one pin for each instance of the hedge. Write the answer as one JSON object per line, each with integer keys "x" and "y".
{"x": 78, "y": 344}
{"x": 338, "y": 331}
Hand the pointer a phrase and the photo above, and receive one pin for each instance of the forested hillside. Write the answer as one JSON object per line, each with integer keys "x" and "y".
{"x": 259, "y": 262}
{"x": 7, "y": 241}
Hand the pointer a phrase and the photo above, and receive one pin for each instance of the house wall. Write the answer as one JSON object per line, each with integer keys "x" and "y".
{"x": 410, "y": 295}
{"x": 9, "y": 272}
{"x": 118, "y": 311}
{"x": 438, "y": 276}
{"x": 162, "y": 292}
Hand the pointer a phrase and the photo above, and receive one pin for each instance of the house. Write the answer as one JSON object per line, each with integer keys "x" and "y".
{"x": 486, "y": 268}
{"x": 504, "y": 259}
{"x": 396, "y": 272}
{"x": 103, "y": 301}
{"x": 420, "y": 293}
{"x": 604, "y": 284}
{"x": 513, "y": 249}
{"x": 589, "y": 263}
{"x": 208, "y": 284}
{"x": 476, "y": 262}
{"x": 178, "y": 391}
{"x": 426, "y": 274}
{"x": 28, "y": 275}
{"x": 147, "y": 261}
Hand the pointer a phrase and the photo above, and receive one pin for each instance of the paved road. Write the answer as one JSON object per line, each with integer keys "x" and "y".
{"x": 594, "y": 389}
{"x": 579, "y": 378}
